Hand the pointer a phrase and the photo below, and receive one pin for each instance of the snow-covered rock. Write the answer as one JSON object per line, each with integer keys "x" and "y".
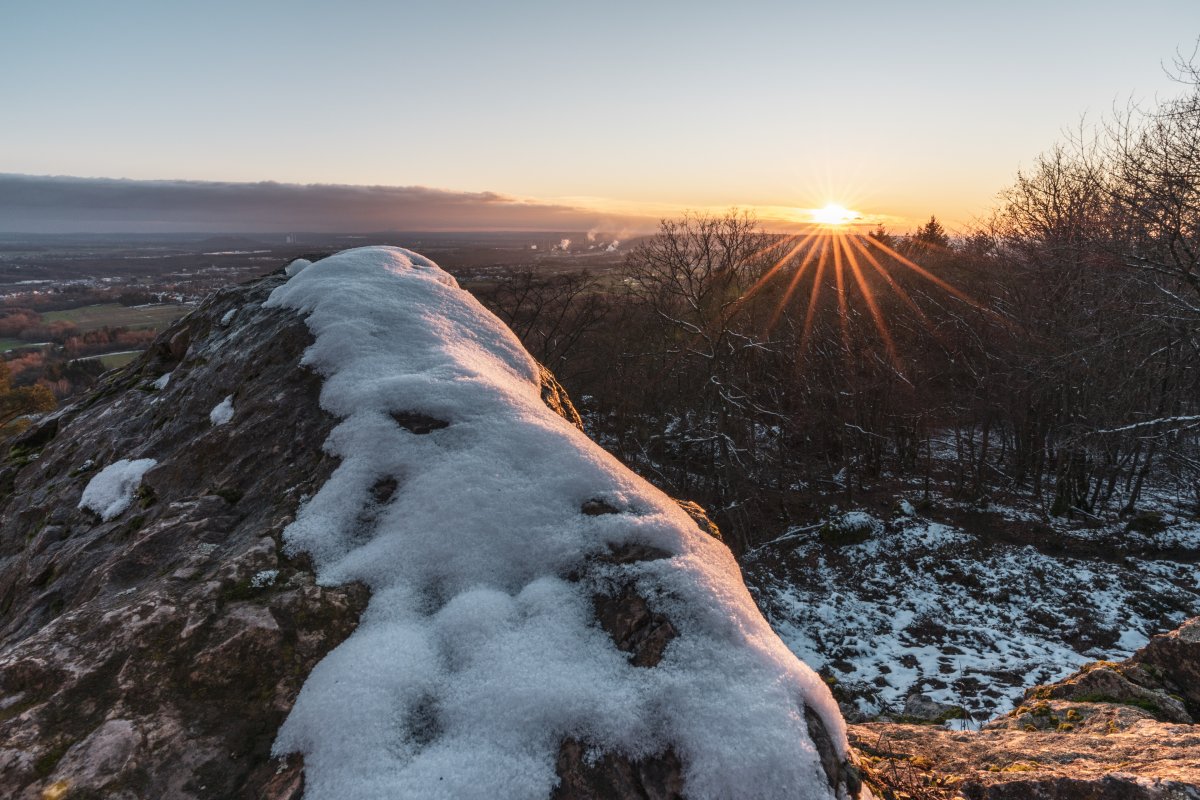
{"x": 296, "y": 266}
{"x": 112, "y": 489}
{"x": 222, "y": 412}
{"x": 480, "y": 651}
{"x": 514, "y": 645}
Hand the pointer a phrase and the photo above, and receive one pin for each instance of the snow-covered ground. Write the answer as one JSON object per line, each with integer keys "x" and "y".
{"x": 929, "y": 607}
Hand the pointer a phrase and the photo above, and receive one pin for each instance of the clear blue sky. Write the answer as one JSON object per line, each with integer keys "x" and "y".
{"x": 897, "y": 108}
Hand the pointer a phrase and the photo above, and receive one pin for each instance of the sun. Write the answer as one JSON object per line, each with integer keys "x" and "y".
{"x": 833, "y": 214}
{"x": 842, "y": 262}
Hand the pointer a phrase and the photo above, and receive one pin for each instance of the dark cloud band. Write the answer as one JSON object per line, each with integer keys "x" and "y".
{"x": 40, "y": 204}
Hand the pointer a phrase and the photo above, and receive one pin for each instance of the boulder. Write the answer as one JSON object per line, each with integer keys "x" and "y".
{"x": 922, "y": 708}
{"x": 1111, "y": 730}
{"x": 1172, "y": 662}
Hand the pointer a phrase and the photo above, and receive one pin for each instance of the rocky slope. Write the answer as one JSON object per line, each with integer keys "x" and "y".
{"x": 154, "y": 641}
{"x": 156, "y": 654}
{"x": 1111, "y": 730}
{"x": 153, "y": 644}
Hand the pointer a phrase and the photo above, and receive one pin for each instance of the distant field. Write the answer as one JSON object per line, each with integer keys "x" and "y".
{"x": 114, "y": 315}
{"x": 16, "y": 344}
{"x": 114, "y": 360}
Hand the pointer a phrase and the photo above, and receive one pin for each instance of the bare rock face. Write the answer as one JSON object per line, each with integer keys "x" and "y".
{"x": 556, "y": 399}
{"x": 1111, "y": 730}
{"x": 1162, "y": 680}
{"x": 1149, "y": 761}
{"x": 155, "y": 654}
{"x": 921, "y": 708}
{"x": 1172, "y": 661}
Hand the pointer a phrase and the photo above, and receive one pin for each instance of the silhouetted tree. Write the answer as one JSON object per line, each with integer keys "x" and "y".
{"x": 931, "y": 235}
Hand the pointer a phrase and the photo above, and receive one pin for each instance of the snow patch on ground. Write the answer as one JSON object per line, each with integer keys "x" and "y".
{"x": 477, "y": 654}
{"x": 222, "y": 412}
{"x": 112, "y": 489}
{"x": 859, "y": 521}
{"x": 927, "y": 607}
{"x": 162, "y": 381}
{"x": 227, "y": 317}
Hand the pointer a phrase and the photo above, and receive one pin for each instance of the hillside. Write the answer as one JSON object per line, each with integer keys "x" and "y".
{"x": 336, "y": 533}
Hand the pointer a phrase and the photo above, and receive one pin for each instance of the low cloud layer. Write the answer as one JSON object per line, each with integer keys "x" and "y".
{"x": 38, "y": 204}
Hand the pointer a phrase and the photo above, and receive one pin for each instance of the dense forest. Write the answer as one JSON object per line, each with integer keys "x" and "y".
{"x": 1052, "y": 353}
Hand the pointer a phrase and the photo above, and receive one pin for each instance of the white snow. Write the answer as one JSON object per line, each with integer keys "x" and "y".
{"x": 1132, "y": 639}
{"x": 477, "y": 654}
{"x": 859, "y": 521}
{"x": 264, "y": 578}
{"x": 111, "y": 490}
{"x": 296, "y": 267}
{"x": 162, "y": 381}
{"x": 227, "y": 317}
{"x": 928, "y": 607}
{"x": 222, "y": 412}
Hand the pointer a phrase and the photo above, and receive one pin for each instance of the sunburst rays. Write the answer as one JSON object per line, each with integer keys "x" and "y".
{"x": 860, "y": 271}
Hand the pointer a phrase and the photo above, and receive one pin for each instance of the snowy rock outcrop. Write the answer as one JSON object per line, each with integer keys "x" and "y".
{"x": 113, "y": 488}
{"x": 400, "y": 568}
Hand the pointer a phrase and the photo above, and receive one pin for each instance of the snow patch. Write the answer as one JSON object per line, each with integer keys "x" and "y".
{"x": 296, "y": 267}
{"x": 860, "y": 521}
{"x": 476, "y": 657}
{"x": 1132, "y": 639}
{"x": 162, "y": 381}
{"x": 264, "y": 578}
{"x": 928, "y": 607}
{"x": 227, "y": 317}
{"x": 222, "y": 412}
{"x": 111, "y": 490}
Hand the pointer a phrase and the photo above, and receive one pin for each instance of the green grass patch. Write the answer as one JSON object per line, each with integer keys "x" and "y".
{"x": 229, "y": 495}
{"x": 1136, "y": 702}
{"x": 115, "y": 315}
{"x": 17, "y": 344}
{"x": 114, "y": 360}
{"x": 955, "y": 712}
